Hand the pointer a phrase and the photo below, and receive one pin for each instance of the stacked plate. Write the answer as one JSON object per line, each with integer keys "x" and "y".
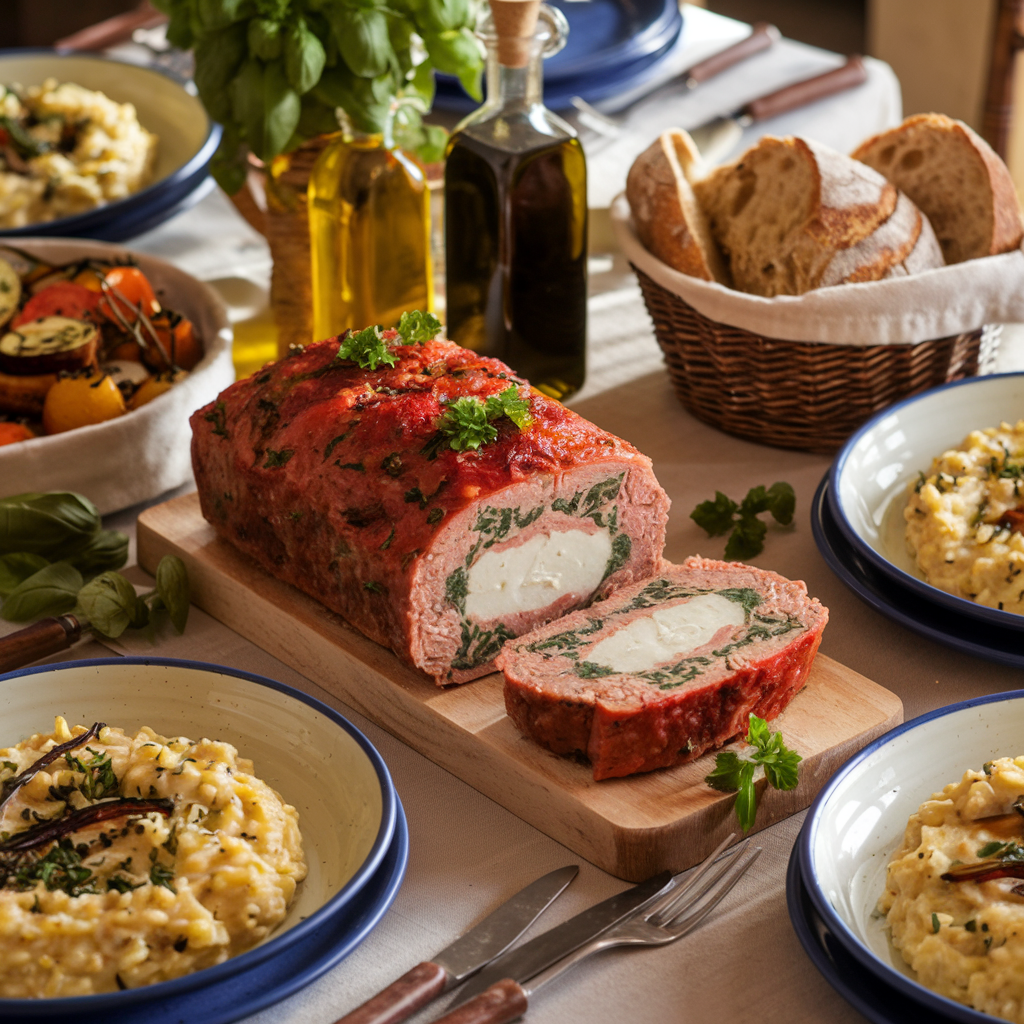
{"x": 838, "y": 865}
{"x": 613, "y": 46}
{"x": 353, "y": 827}
{"x": 857, "y": 516}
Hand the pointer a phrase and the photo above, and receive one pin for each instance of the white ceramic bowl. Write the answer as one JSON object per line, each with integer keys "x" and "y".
{"x": 859, "y": 818}
{"x": 135, "y": 457}
{"x": 187, "y": 139}
{"x": 318, "y": 761}
{"x": 870, "y": 476}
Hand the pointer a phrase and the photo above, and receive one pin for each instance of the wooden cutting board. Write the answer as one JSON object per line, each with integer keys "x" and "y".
{"x": 631, "y": 827}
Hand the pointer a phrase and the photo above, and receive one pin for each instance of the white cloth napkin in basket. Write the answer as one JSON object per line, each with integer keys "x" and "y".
{"x": 906, "y": 310}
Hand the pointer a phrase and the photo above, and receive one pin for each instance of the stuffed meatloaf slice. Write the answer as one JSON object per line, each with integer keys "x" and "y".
{"x": 343, "y": 482}
{"x": 666, "y": 668}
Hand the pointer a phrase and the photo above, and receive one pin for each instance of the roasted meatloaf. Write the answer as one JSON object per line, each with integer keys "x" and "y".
{"x": 666, "y": 668}
{"x": 340, "y": 481}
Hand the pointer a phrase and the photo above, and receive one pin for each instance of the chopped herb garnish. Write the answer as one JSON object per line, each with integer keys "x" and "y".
{"x": 61, "y": 868}
{"x": 159, "y": 874}
{"x": 357, "y": 466}
{"x": 275, "y": 460}
{"x": 935, "y": 924}
{"x": 971, "y": 925}
{"x": 387, "y": 543}
{"x": 99, "y": 780}
{"x": 435, "y": 515}
{"x": 468, "y": 422}
{"x": 416, "y": 327}
{"x": 367, "y": 348}
{"x": 748, "y": 532}
{"x": 218, "y": 417}
{"x": 120, "y": 884}
{"x": 375, "y": 587}
{"x": 735, "y": 774}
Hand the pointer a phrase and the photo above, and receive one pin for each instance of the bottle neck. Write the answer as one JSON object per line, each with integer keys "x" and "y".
{"x": 515, "y": 87}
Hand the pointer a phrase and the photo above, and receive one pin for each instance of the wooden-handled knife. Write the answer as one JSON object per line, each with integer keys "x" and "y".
{"x": 41, "y": 639}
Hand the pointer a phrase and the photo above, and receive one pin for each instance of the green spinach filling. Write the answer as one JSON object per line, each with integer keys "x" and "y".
{"x": 494, "y": 525}
{"x": 570, "y": 643}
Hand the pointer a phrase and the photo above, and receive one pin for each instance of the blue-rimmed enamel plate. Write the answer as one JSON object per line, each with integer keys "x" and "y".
{"x": 187, "y": 140}
{"x": 901, "y": 604}
{"x": 315, "y": 758}
{"x": 871, "y": 475}
{"x": 858, "y": 819}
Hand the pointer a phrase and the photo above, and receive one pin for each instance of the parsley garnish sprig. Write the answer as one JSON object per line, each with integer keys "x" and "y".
{"x": 468, "y": 422}
{"x": 734, "y": 773}
{"x": 748, "y": 532}
{"x": 369, "y": 349}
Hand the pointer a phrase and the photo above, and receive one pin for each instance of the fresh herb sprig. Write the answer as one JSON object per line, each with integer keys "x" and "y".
{"x": 55, "y": 558}
{"x": 748, "y": 531}
{"x": 734, "y": 773}
{"x": 468, "y": 422}
{"x": 369, "y": 348}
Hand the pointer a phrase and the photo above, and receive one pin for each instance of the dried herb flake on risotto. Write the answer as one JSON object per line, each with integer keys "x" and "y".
{"x": 127, "y": 860}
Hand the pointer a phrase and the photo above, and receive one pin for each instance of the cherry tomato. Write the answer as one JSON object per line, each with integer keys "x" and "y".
{"x": 179, "y": 341}
{"x": 79, "y": 401}
{"x": 152, "y": 387}
{"x": 132, "y": 290}
{"x": 12, "y": 433}
{"x": 90, "y": 279}
{"x": 61, "y": 299}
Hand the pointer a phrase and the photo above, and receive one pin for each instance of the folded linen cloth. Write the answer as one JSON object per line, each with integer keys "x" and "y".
{"x": 903, "y": 311}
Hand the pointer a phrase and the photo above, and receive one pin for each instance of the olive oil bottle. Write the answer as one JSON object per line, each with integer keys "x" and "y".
{"x": 369, "y": 229}
{"x": 516, "y": 212}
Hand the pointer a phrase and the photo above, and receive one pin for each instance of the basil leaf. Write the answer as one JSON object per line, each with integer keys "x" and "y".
{"x": 316, "y": 118}
{"x": 229, "y": 166}
{"x": 457, "y": 52}
{"x": 50, "y": 591}
{"x": 782, "y": 502}
{"x": 218, "y": 56}
{"x": 304, "y": 58}
{"x": 247, "y": 102}
{"x": 214, "y": 14}
{"x": 281, "y": 113}
{"x": 107, "y": 550}
{"x": 367, "y": 101}
{"x": 50, "y": 524}
{"x": 109, "y": 602}
{"x": 179, "y": 29}
{"x": 363, "y": 40}
{"x": 16, "y": 567}
{"x": 445, "y": 15}
{"x": 172, "y": 588}
{"x": 265, "y": 38}
{"x": 140, "y": 616}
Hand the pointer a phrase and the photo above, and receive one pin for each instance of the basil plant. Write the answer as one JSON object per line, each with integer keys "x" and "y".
{"x": 275, "y": 73}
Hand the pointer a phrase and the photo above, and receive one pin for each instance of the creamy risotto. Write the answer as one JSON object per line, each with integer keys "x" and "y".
{"x": 66, "y": 150}
{"x": 954, "y": 896}
{"x": 128, "y": 860}
{"x": 964, "y": 519}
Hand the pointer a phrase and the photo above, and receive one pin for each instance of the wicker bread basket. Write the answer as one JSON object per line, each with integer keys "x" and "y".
{"x": 808, "y": 395}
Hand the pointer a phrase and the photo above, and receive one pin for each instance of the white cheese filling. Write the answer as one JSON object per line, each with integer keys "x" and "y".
{"x": 666, "y": 633}
{"x": 537, "y": 573}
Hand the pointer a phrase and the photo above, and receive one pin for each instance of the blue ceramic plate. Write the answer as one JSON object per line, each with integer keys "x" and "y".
{"x": 861, "y": 815}
{"x": 187, "y": 140}
{"x": 283, "y": 975}
{"x": 864, "y": 992}
{"x": 902, "y": 605}
{"x": 870, "y": 477}
{"x": 304, "y": 749}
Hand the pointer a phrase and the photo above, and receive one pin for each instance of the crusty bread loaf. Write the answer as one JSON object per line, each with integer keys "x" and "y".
{"x": 668, "y": 219}
{"x": 904, "y": 244}
{"x": 787, "y": 207}
{"x": 956, "y": 179}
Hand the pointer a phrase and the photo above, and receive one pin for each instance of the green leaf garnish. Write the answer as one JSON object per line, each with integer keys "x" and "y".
{"x": 748, "y": 531}
{"x": 734, "y": 773}
{"x": 50, "y": 591}
{"x": 416, "y": 328}
{"x": 172, "y": 587}
{"x": 467, "y": 422}
{"x": 935, "y": 924}
{"x": 367, "y": 348}
{"x": 109, "y": 603}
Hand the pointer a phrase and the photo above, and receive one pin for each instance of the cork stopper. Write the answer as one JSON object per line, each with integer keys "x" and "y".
{"x": 515, "y": 22}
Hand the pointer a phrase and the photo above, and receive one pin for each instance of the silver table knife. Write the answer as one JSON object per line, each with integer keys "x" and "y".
{"x": 466, "y": 955}
{"x": 541, "y": 952}
{"x": 716, "y": 138}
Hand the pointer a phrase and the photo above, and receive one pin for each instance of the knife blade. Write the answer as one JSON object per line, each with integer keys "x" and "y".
{"x": 466, "y": 955}
{"x": 547, "y": 949}
{"x": 717, "y": 137}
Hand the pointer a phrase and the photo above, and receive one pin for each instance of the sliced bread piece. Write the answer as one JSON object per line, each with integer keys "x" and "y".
{"x": 669, "y": 222}
{"x": 956, "y": 179}
{"x": 904, "y": 241}
{"x": 784, "y": 209}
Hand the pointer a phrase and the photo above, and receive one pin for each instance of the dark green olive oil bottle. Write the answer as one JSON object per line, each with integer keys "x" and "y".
{"x": 516, "y": 212}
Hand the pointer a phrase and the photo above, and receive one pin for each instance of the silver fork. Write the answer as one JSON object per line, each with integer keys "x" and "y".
{"x": 668, "y": 917}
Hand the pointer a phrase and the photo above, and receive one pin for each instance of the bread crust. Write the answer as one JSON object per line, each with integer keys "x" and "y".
{"x": 669, "y": 221}
{"x": 883, "y": 153}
